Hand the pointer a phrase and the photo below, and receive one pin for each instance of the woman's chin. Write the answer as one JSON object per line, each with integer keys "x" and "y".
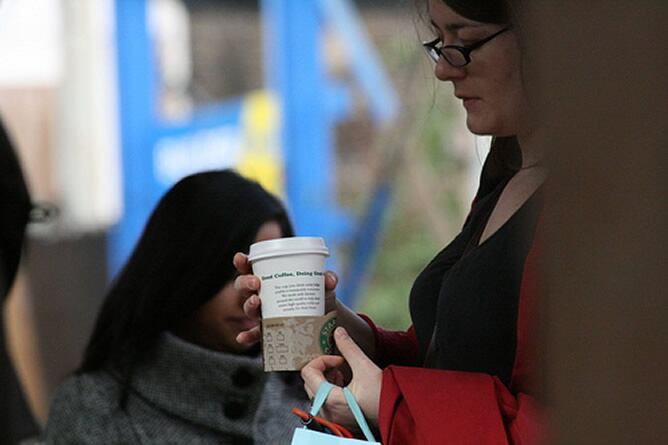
{"x": 475, "y": 126}
{"x": 478, "y": 132}
{"x": 482, "y": 129}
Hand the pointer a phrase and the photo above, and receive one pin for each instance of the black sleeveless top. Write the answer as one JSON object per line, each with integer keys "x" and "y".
{"x": 465, "y": 302}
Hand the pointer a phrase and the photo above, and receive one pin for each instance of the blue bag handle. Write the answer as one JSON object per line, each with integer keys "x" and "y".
{"x": 321, "y": 396}
{"x": 359, "y": 416}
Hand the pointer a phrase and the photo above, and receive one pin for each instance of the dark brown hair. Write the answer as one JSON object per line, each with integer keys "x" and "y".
{"x": 487, "y": 11}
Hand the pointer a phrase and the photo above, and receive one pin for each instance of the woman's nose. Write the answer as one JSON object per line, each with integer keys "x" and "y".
{"x": 444, "y": 71}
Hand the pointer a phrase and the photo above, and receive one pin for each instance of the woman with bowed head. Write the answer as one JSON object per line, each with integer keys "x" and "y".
{"x": 163, "y": 364}
{"x": 463, "y": 372}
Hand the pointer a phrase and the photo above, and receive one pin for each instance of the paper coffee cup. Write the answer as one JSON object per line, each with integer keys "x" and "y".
{"x": 295, "y": 328}
{"x": 292, "y": 273}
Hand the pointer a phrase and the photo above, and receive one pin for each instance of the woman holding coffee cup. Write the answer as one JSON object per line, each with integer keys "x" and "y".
{"x": 163, "y": 365}
{"x": 463, "y": 372}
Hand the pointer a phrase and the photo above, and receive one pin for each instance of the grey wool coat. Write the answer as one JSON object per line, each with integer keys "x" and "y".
{"x": 184, "y": 394}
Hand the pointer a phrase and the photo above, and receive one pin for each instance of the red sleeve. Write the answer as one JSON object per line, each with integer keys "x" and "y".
{"x": 429, "y": 406}
{"x": 394, "y": 347}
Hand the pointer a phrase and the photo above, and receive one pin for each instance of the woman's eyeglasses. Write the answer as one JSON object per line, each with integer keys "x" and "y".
{"x": 455, "y": 55}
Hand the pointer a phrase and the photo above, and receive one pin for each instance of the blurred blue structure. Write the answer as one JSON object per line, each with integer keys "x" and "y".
{"x": 311, "y": 104}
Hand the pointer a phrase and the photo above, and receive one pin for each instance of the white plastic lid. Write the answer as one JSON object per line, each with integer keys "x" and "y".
{"x": 296, "y": 245}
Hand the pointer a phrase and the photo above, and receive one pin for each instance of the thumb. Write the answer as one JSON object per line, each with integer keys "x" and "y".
{"x": 356, "y": 358}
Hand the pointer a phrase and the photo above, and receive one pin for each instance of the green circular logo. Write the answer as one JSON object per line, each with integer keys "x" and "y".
{"x": 326, "y": 340}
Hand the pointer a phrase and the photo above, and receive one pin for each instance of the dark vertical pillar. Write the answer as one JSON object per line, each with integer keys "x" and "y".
{"x": 67, "y": 281}
{"x": 601, "y": 71}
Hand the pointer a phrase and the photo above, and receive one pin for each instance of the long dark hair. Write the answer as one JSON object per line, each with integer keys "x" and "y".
{"x": 183, "y": 258}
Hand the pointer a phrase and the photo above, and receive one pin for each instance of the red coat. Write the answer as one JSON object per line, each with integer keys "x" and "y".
{"x": 433, "y": 406}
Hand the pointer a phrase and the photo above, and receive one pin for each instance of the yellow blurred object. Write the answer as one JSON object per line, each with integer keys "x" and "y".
{"x": 261, "y": 158}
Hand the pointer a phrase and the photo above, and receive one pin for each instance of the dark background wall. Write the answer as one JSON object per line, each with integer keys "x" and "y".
{"x": 602, "y": 79}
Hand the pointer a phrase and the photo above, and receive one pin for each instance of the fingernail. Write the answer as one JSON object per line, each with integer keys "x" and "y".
{"x": 340, "y": 332}
{"x": 333, "y": 276}
{"x": 255, "y": 300}
{"x": 254, "y": 284}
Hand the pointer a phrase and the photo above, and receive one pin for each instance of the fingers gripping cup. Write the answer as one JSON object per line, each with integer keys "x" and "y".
{"x": 292, "y": 273}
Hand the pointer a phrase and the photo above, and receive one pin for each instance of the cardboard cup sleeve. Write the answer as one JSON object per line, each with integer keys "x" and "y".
{"x": 289, "y": 343}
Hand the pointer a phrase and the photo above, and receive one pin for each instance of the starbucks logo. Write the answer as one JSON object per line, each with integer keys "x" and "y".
{"x": 326, "y": 340}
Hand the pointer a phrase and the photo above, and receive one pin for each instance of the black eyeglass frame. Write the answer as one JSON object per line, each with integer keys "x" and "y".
{"x": 465, "y": 51}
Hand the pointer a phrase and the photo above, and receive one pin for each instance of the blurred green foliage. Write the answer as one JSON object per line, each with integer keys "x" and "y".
{"x": 403, "y": 253}
{"x": 425, "y": 160}
{"x": 417, "y": 228}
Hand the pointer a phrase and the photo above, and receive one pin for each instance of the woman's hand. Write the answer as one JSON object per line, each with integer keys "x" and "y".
{"x": 248, "y": 286}
{"x": 365, "y": 384}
